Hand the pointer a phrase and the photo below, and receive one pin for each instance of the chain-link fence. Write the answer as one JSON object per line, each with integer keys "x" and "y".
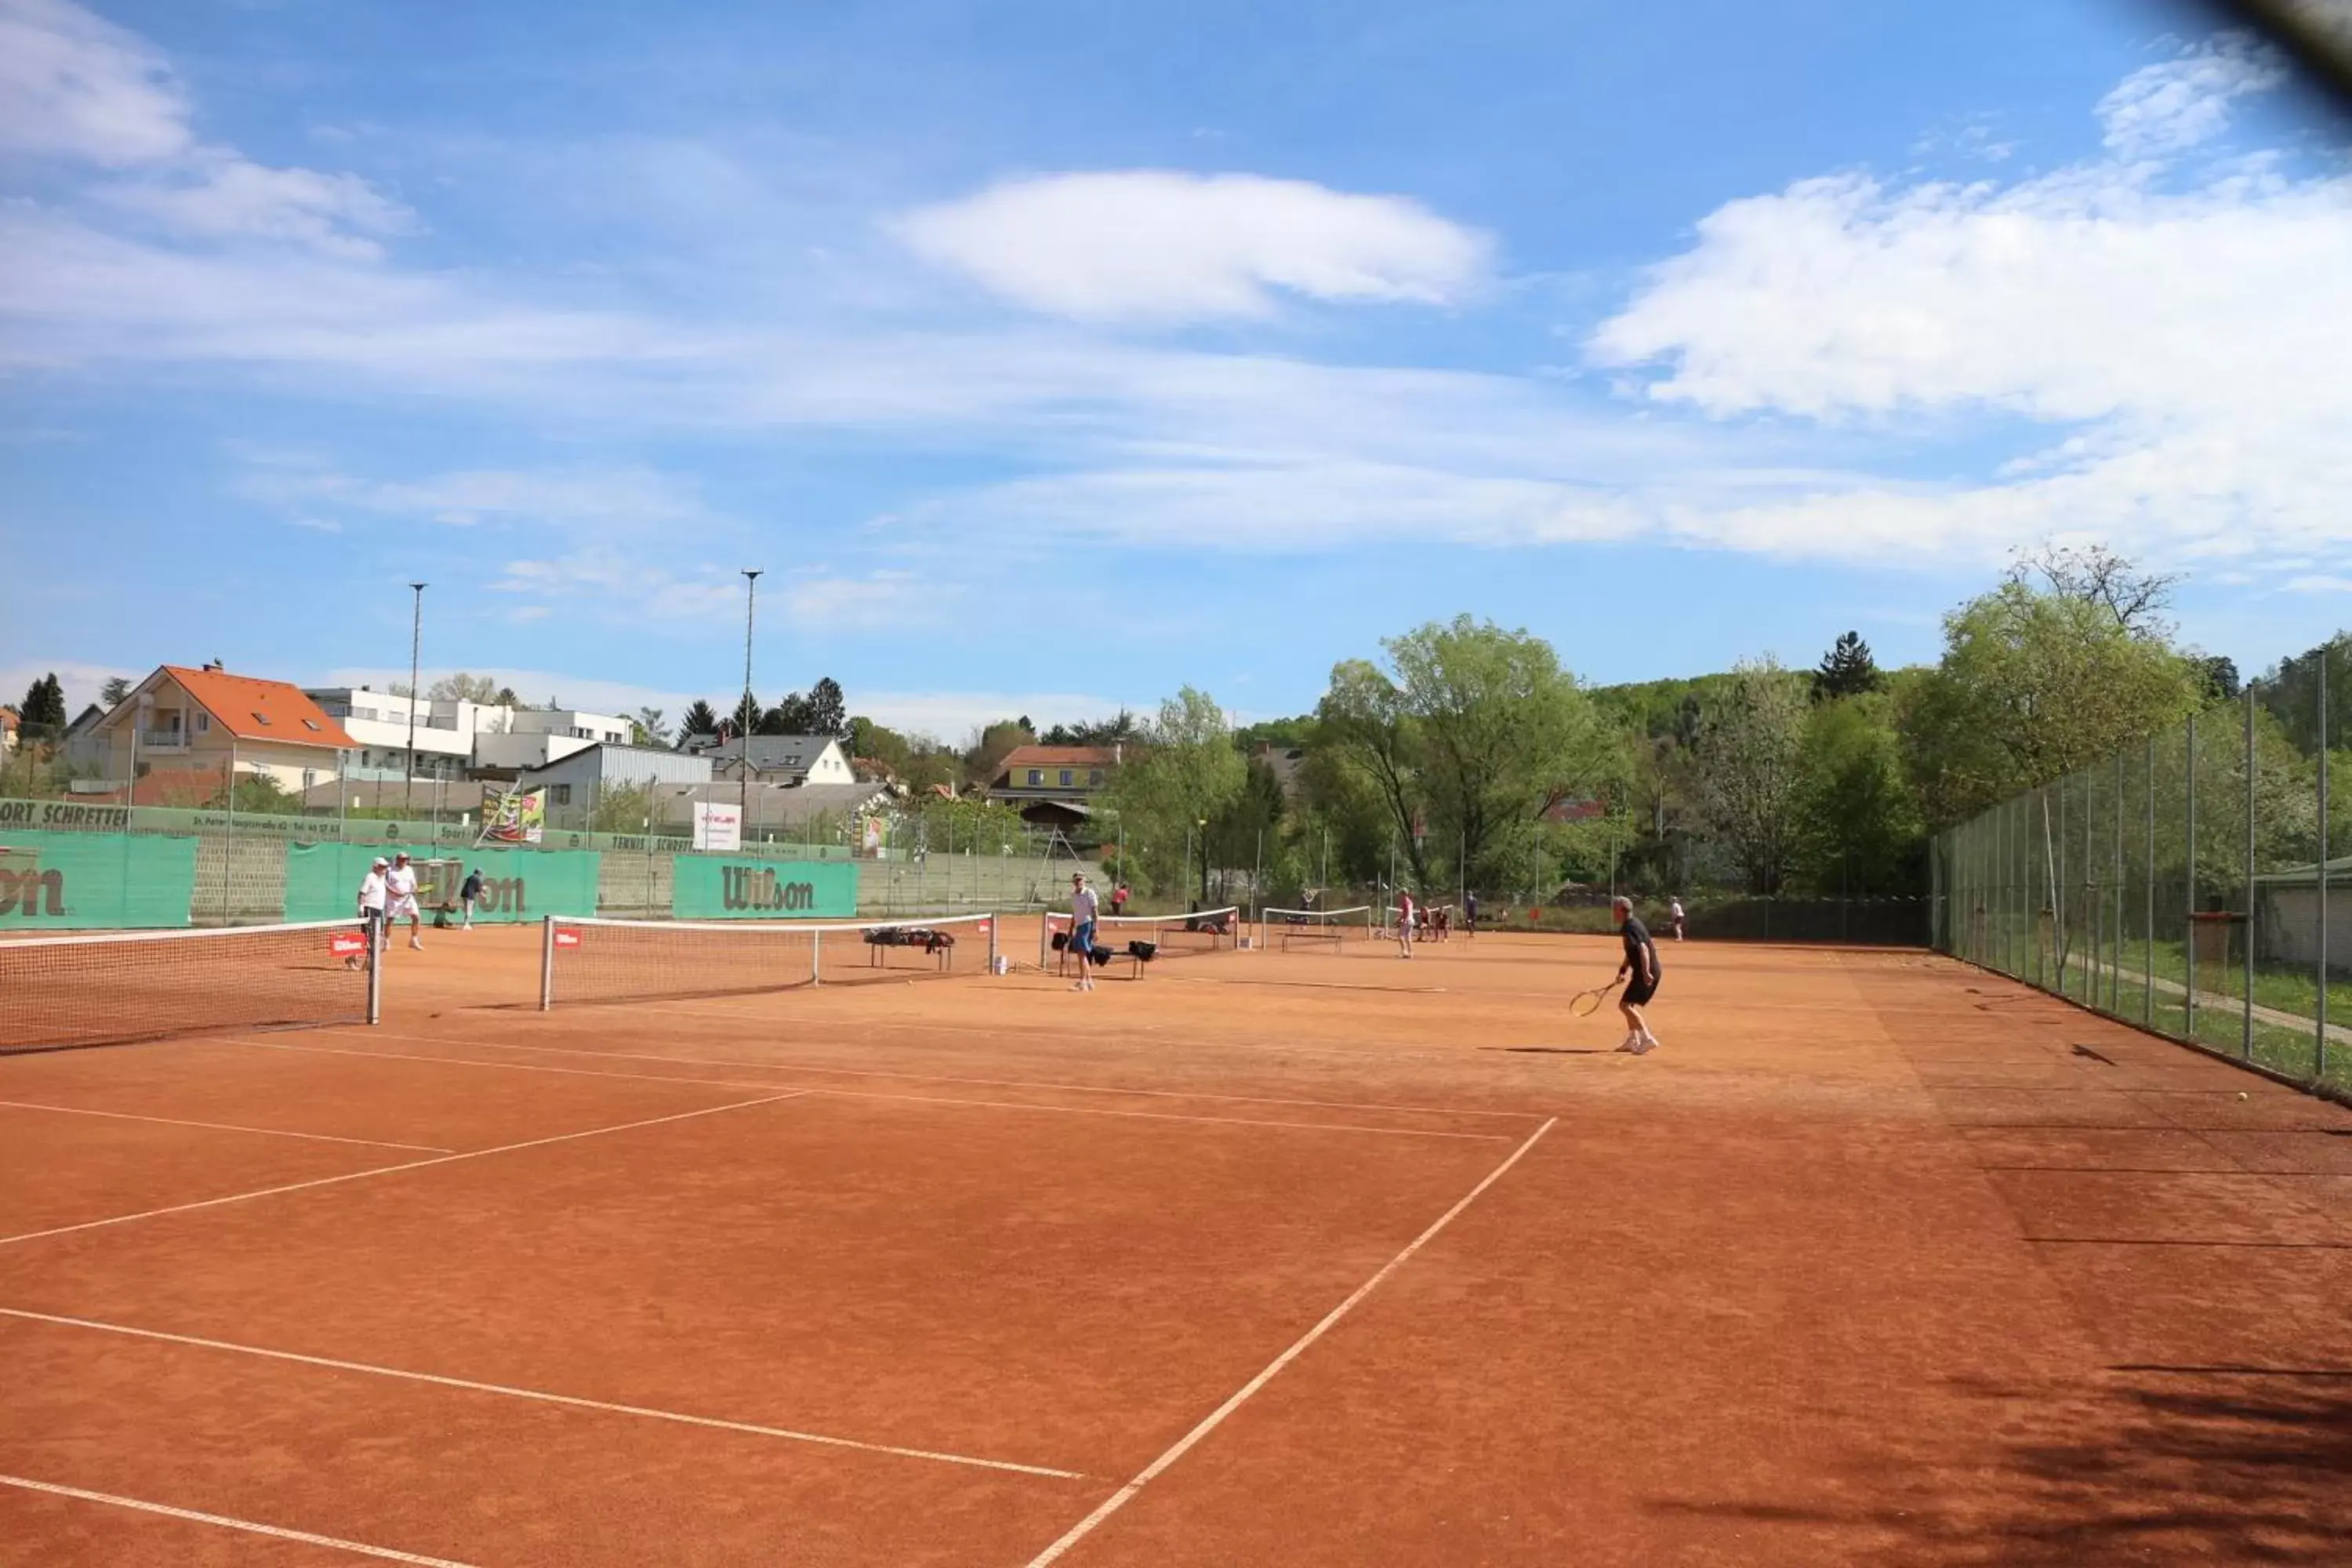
{"x": 2193, "y": 884}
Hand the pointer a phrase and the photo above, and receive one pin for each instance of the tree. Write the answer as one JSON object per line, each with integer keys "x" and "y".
{"x": 828, "y": 711}
{"x": 1187, "y": 779}
{"x": 44, "y": 708}
{"x": 790, "y": 717}
{"x": 2291, "y": 691}
{"x": 112, "y": 694}
{"x": 1505, "y": 732}
{"x": 700, "y": 719}
{"x": 1859, "y": 831}
{"x": 1368, "y": 733}
{"x": 2095, "y": 575}
{"x": 650, "y": 726}
{"x": 2218, "y": 675}
{"x": 2033, "y": 684}
{"x": 1478, "y": 732}
{"x": 1847, "y": 671}
{"x": 464, "y": 688}
{"x": 1748, "y": 779}
{"x": 507, "y": 698}
{"x": 745, "y": 719}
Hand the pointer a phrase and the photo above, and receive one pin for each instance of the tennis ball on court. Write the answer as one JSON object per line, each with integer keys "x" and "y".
{"x": 2242, "y": 1094}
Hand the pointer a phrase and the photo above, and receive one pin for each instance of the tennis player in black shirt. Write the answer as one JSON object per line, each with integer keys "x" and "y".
{"x": 1642, "y": 963}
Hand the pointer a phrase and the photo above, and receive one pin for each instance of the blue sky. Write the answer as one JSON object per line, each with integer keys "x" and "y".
{"x": 1049, "y": 356}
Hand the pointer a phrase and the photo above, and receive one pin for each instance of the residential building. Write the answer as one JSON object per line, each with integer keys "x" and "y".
{"x": 587, "y": 775}
{"x": 783, "y": 758}
{"x": 85, "y": 748}
{"x": 1053, "y": 786}
{"x": 195, "y": 727}
{"x": 459, "y": 739}
{"x": 10, "y": 726}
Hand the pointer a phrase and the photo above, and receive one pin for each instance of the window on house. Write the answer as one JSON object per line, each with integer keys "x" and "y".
{"x": 562, "y": 793}
{"x": 1067, "y": 775}
{"x": 1036, "y": 776}
{"x": 260, "y": 718}
{"x": 203, "y": 723}
{"x": 309, "y": 723}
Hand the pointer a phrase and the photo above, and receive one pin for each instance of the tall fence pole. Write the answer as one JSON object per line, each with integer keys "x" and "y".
{"x": 2147, "y": 997}
{"x": 2319, "y": 1060}
{"x": 2189, "y": 881}
{"x": 2246, "y": 1003}
{"x": 2115, "y": 968}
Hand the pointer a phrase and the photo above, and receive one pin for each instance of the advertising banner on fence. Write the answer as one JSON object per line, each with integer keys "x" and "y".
{"x": 518, "y": 817}
{"x": 322, "y": 881}
{"x": 724, "y": 888}
{"x": 718, "y": 828}
{"x": 82, "y": 880}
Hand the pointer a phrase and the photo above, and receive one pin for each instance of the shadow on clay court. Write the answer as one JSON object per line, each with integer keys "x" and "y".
{"x": 1554, "y": 1050}
{"x": 2151, "y": 1464}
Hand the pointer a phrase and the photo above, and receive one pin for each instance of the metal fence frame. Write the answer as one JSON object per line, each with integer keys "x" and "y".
{"x": 2183, "y": 885}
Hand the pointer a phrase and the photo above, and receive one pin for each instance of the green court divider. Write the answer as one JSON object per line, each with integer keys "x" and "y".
{"x": 110, "y": 881}
{"x": 322, "y": 880}
{"x": 732, "y": 887}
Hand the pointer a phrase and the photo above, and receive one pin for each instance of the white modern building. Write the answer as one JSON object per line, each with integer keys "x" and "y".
{"x": 454, "y": 738}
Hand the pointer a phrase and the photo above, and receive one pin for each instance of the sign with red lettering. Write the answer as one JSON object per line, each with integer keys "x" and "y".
{"x": 566, "y": 936}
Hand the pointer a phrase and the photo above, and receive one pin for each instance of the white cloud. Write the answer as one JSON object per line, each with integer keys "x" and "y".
{"x": 74, "y": 85}
{"x": 2320, "y": 583}
{"x": 1310, "y": 505}
{"x": 2184, "y": 345}
{"x": 2163, "y": 108}
{"x": 1155, "y": 245}
{"x": 226, "y": 197}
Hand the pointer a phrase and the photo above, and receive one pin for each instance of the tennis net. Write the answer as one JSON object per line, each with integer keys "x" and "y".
{"x": 583, "y": 959}
{"x": 1286, "y": 928}
{"x": 60, "y": 991}
{"x": 1166, "y": 936}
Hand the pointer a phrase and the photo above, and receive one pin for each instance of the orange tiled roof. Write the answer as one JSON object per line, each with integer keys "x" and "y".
{"x": 1062, "y": 757}
{"x": 255, "y": 710}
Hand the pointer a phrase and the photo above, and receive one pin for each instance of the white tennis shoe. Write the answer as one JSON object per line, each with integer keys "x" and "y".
{"x": 1643, "y": 1045}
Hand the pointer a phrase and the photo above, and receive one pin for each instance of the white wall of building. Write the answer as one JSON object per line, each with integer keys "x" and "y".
{"x": 454, "y": 737}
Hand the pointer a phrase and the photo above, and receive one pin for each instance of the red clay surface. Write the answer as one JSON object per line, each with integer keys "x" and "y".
{"x": 1345, "y": 1259}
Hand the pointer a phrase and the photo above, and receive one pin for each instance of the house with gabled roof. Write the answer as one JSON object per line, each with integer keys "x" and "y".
{"x": 208, "y": 724}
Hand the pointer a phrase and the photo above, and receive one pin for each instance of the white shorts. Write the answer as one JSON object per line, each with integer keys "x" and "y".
{"x": 404, "y": 909}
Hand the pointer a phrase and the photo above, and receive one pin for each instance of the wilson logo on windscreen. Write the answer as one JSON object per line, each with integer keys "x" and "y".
{"x": 757, "y": 888}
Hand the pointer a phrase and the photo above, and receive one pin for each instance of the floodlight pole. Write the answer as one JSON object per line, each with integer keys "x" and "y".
{"x": 743, "y": 797}
{"x": 416, "y": 636}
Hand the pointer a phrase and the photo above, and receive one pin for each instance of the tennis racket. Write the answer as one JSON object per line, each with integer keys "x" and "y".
{"x": 1584, "y": 1004}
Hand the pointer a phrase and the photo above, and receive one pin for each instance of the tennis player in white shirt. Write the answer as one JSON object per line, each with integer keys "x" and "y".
{"x": 372, "y": 896}
{"x": 400, "y": 899}
{"x": 1083, "y": 911}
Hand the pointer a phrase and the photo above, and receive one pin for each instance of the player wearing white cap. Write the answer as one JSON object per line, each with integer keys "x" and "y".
{"x": 400, "y": 899}
{"x": 372, "y": 897}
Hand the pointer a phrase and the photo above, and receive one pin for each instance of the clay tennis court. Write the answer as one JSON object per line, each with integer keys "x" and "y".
{"x": 1293, "y": 1258}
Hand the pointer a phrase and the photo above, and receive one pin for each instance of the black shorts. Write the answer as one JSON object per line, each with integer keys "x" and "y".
{"x": 1638, "y": 990}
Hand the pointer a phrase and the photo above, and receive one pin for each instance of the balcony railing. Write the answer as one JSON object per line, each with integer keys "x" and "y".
{"x": 164, "y": 740}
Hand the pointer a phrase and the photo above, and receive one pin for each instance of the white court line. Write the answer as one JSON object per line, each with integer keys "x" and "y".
{"x": 862, "y": 1094}
{"x": 542, "y": 1397}
{"x": 1210, "y": 1422}
{"x": 1203, "y": 1095}
{"x": 219, "y": 1126}
{"x": 382, "y": 1553}
{"x": 405, "y": 1166}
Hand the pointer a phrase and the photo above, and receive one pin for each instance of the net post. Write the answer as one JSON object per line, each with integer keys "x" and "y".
{"x": 375, "y": 974}
{"x": 995, "y": 919}
{"x": 816, "y": 947}
{"x": 546, "y": 963}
